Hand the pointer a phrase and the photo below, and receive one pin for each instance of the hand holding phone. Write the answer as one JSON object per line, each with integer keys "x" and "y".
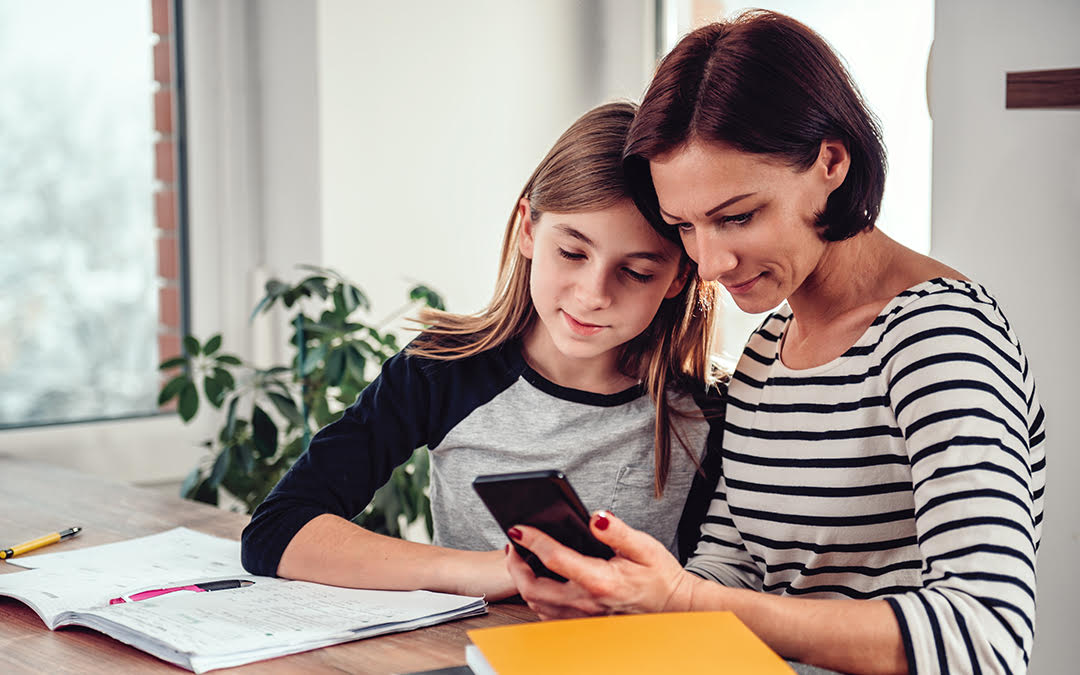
{"x": 544, "y": 500}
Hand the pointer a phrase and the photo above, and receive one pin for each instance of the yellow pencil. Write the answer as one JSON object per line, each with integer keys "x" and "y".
{"x": 39, "y": 542}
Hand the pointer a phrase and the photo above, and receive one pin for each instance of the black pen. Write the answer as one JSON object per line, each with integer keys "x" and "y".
{"x": 201, "y": 587}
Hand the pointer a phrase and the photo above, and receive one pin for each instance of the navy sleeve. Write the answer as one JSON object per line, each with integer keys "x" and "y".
{"x": 346, "y": 462}
{"x": 705, "y": 481}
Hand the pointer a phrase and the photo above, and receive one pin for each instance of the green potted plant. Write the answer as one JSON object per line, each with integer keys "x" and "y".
{"x": 269, "y": 414}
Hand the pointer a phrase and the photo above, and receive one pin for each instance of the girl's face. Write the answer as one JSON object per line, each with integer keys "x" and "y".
{"x": 747, "y": 220}
{"x": 597, "y": 278}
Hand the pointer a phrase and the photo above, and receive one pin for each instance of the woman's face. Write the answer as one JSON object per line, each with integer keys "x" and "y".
{"x": 746, "y": 219}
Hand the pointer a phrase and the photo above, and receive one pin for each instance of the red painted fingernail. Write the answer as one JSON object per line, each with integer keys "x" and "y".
{"x": 507, "y": 549}
{"x": 602, "y": 522}
{"x": 514, "y": 533}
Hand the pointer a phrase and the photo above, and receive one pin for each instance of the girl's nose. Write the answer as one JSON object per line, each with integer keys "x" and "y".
{"x": 593, "y": 290}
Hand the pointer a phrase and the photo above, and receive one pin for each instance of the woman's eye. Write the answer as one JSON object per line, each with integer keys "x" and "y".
{"x": 638, "y": 276}
{"x": 571, "y": 256}
{"x": 685, "y": 227}
{"x": 740, "y": 219}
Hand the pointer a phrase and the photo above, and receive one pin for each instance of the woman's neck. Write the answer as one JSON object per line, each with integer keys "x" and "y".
{"x": 852, "y": 274}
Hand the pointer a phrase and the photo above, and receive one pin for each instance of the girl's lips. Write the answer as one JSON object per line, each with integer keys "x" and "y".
{"x": 581, "y": 328}
{"x": 743, "y": 287}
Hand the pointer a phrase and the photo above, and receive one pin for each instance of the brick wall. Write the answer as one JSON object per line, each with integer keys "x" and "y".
{"x": 165, "y": 173}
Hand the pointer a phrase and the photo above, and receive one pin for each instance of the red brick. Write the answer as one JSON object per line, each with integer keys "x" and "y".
{"x": 168, "y": 345}
{"x": 168, "y": 257}
{"x": 160, "y": 10}
{"x": 165, "y": 209}
{"x": 169, "y": 307}
{"x": 163, "y": 61}
{"x": 165, "y": 161}
{"x": 163, "y": 110}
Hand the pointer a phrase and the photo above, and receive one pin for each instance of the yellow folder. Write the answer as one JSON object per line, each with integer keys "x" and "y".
{"x": 678, "y": 642}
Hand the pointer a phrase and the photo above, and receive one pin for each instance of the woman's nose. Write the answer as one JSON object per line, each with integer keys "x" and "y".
{"x": 714, "y": 256}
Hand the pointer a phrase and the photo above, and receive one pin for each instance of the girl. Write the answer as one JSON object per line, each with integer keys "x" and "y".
{"x": 593, "y": 309}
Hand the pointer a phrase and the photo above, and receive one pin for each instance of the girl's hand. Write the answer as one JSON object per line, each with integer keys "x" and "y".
{"x": 642, "y": 577}
{"x": 484, "y": 574}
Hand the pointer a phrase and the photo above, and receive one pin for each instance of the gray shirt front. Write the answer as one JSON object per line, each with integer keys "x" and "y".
{"x": 603, "y": 443}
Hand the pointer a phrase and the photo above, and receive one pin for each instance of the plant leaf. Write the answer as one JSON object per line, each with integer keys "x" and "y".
{"x": 287, "y": 407}
{"x": 172, "y": 388}
{"x": 225, "y": 378}
{"x": 230, "y": 418}
{"x": 215, "y": 391}
{"x": 187, "y": 490}
{"x": 265, "y": 432}
{"x": 191, "y": 345}
{"x": 189, "y": 401}
{"x": 228, "y": 359}
{"x": 221, "y": 465}
{"x": 335, "y": 366}
{"x": 174, "y": 362}
{"x": 427, "y": 296}
{"x": 212, "y": 344}
{"x": 314, "y": 358}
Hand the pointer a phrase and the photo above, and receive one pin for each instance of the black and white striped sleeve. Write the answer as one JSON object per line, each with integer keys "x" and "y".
{"x": 964, "y": 399}
{"x": 721, "y": 554}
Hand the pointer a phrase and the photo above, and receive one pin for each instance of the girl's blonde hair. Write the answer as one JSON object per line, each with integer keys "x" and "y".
{"x": 583, "y": 173}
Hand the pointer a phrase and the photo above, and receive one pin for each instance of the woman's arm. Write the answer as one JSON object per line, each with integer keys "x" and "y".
{"x": 332, "y": 550}
{"x": 856, "y": 636}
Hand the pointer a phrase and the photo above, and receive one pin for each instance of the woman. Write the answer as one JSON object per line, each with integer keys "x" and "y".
{"x": 881, "y": 498}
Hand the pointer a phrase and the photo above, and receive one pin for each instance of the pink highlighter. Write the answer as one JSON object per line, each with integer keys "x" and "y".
{"x": 197, "y": 588}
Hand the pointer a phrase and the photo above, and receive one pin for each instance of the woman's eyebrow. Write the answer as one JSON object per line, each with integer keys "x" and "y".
{"x": 713, "y": 209}
{"x": 643, "y": 255}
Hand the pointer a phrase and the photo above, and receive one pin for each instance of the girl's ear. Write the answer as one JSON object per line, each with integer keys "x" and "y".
{"x": 526, "y": 234}
{"x": 679, "y": 282}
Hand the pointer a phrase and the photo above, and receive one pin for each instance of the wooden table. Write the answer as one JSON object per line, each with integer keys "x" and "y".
{"x": 35, "y": 499}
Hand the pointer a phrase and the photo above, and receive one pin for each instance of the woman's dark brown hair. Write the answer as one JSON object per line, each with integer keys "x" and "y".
{"x": 765, "y": 84}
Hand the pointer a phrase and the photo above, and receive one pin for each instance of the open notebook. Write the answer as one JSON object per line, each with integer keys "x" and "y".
{"x": 202, "y": 631}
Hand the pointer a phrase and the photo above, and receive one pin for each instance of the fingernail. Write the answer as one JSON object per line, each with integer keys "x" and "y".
{"x": 515, "y": 534}
{"x": 602, "y": 521}
{"x": 507, "y": 549}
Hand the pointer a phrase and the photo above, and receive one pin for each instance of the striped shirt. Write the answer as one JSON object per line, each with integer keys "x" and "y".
{"x": 910, "y": 469}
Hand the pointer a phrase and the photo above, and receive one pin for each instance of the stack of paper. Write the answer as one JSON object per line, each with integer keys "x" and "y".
{"x": 207, "y": 630}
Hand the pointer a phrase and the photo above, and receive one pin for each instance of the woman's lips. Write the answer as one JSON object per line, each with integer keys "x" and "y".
{"x": 744, "y": 287}
{"x": 580, "y": 327}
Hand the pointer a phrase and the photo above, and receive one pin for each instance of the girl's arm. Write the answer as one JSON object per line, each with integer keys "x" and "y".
{"x": 856, "y": 636}
{"x": 302, "y": 529}
{"x": 332, "y": 550}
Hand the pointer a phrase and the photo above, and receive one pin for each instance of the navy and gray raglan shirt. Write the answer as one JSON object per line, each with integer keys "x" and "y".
{"x": 492, "y": 413}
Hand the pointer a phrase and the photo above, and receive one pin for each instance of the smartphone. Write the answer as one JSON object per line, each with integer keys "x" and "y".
{"x": 545, "y": 500}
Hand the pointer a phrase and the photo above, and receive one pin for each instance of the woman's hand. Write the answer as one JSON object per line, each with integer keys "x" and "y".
{"x": 642, "y": 577}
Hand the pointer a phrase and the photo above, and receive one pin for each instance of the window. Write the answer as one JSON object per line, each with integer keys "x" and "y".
{"x": 90, "y": 245}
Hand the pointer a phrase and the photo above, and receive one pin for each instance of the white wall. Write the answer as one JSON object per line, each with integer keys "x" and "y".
{"x": 432, "y": 116}
{"x": 1006, "y": 212}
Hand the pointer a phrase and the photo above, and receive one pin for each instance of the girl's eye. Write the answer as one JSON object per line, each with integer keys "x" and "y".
{"x": 740, "y": 219}
{"x": 685, "y": 227}
{"x": 638, "y": 276}
{"x": 571, "y": 256}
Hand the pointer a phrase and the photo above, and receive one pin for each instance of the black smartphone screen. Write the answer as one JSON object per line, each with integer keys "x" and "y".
{"x": 545, "y": 500}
